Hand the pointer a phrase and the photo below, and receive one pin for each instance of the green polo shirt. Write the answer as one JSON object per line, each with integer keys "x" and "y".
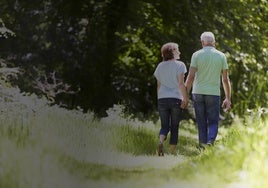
{"x": 209, "y": 63}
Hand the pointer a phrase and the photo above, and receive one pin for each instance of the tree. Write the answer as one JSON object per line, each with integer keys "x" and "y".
{"x": 107, "y": 50}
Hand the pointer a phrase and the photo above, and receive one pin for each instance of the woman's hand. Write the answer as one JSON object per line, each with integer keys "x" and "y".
{"x": 184, "y": 103}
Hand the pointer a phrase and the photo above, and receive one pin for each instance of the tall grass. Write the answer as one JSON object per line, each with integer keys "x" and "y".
{"x": 48, "y": 146}
{"x": 239, "y": 159}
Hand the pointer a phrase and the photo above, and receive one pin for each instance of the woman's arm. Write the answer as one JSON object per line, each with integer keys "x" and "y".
{"x": 183, "y": 91}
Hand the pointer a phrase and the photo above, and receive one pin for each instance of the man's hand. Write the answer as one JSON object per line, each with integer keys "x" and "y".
{"x": 226, "y": 105}
{"x": 184, "y": 104}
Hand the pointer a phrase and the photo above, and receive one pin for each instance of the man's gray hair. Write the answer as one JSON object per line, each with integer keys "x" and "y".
{"x": 207, "y": 37}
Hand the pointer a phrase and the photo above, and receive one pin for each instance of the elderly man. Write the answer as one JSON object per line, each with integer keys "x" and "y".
{"x": 208, "y": 67}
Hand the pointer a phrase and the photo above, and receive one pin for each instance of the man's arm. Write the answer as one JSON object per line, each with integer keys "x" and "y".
{"x": 190, "y": 79}
{"x": 227, "y": 90}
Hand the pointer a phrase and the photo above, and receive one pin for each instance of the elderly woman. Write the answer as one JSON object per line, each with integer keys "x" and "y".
{"x": 171, "y": 94}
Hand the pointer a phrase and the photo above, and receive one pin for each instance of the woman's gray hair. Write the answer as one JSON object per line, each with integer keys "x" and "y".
{"x": 207, "y": 37}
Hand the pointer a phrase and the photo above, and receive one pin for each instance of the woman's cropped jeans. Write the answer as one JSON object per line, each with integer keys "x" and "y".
{"x": 207, "y": 111}
{"x": 170, "y": 115}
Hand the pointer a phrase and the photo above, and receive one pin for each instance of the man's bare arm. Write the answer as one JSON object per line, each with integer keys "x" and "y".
{"x": 190, "y": 79}
{"x": 227, "y": 90}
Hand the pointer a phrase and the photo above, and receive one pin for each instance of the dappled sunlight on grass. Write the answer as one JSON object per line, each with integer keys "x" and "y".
{"x": 128, "y": 161}
{"x": 241, "y": 156}
{"x": 147, "y": 182}
{"x": 31, "y": 167}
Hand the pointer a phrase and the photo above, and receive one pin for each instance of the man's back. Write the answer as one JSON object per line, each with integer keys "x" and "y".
{"x": 209, "y": 63}
{"x": 208, "y": 67}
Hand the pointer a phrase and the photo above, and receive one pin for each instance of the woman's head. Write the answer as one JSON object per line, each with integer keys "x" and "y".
{"x": 170, "y": 51}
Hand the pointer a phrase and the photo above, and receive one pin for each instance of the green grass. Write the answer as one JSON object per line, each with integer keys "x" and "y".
{"x": 48, "y": 146}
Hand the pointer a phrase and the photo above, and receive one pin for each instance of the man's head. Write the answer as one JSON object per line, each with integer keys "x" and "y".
{"x": 207, "y": 39}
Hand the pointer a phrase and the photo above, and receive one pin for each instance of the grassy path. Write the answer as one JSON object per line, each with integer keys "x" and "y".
{"x": 130, "y": 160}
{"x": 48, "y": 146}
{"x": 123, "y": 165}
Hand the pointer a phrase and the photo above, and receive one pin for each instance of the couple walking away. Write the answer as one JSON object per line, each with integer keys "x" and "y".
{"x": 207, "y": 69}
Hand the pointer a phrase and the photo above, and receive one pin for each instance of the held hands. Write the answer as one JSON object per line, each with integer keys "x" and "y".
{"x": 226, "y": 104}
{"x": 184, "y": 103}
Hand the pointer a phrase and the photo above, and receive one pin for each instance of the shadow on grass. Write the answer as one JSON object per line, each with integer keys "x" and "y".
{"x": 142, "y": 141}
{"x": 95, "y": 171}
{"x": 137, "y": 141}
{"x": 188, "y": 146}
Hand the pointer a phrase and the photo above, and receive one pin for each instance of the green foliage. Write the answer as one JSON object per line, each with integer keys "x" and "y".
{"x": 8, "y": 76}
{"x": 5, "y": 32}
{"x": 108, "y": 49}
{"x": 138, "y": 56}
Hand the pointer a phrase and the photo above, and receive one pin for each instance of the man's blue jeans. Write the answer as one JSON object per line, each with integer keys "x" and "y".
{"x": 170, "y": 115}
{"x": 207, "y": 111}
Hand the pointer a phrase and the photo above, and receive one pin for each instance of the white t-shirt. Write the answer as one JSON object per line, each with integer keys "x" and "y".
{"x": 167, "y": 73}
